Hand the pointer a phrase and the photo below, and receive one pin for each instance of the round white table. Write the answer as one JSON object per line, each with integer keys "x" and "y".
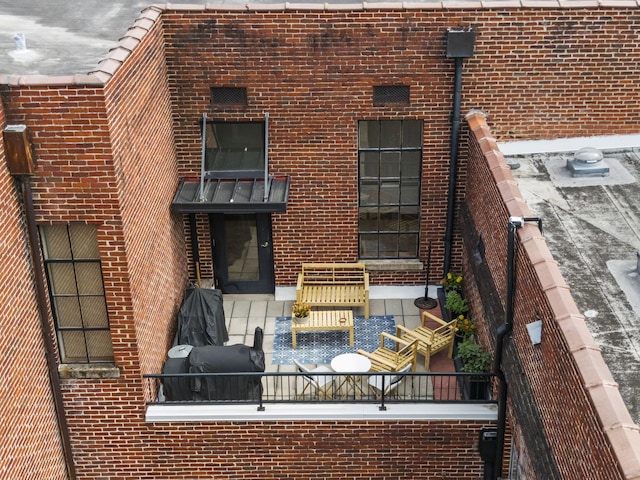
{"x": 351, "y": 363}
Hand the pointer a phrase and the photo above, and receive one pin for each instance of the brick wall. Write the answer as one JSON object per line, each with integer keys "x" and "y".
{"x": 554, "y": 420}
{"x": 106, "y": 157}
{"x": 314, "y": 74}
{"x": 290, "y": 450}
{"x": 538, "y": 73}
{"x": 31, "y": 439}
{"x": 140, "y": 123}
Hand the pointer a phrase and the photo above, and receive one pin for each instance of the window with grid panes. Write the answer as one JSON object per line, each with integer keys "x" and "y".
{"x": 389, "y": 166}
{"x": 76, "y": 289}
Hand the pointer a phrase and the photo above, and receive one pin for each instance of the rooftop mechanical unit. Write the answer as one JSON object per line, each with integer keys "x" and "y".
{"x": 588, "y": 161}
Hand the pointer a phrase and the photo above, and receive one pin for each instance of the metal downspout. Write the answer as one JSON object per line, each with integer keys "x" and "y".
{"x": 47, "y": 333}
{"x": 202, "y": 196}
{"x": 193, "y": 229}
{"x": 266, "y": 157}
{"x": 503, "y": 331}
{"x": 453, "y": 165}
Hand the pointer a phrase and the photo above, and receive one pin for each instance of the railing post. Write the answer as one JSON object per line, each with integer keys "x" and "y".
{"x": 260, "y": 404}
{"x": 382, "y": 405}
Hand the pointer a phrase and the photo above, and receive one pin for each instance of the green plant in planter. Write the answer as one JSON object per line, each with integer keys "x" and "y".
{"x": 455, "y": 303}
{"x": 453, "y": 281}
{"x": 475, "y": 358}
{"x": 465, "y": 327}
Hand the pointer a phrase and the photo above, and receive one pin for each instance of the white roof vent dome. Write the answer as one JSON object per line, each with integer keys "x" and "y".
{"x": 588, "y": 161}
{"x": 588, "y": 155}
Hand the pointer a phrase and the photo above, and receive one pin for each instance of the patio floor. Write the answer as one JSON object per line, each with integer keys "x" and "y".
{"x": 244, "y": 313}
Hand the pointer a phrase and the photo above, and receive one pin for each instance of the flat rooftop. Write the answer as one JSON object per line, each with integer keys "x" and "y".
{"x": 592, "y": 227}
{"x": 62, "y": 37}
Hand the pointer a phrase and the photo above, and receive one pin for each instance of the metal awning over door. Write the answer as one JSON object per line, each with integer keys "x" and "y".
{"x": 232, "y": 195}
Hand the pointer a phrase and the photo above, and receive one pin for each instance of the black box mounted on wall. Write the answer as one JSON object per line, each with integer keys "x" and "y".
{"x": 460, "y": 42}
{"x": 17, "y": 146}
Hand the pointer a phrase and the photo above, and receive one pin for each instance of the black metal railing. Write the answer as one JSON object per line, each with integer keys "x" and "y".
{"x": 261, "y": 388}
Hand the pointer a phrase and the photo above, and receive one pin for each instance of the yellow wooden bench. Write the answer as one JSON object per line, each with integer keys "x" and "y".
{"x": 334, "y": 285}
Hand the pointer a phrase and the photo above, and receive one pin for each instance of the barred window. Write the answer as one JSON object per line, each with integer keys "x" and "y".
{"x": 76, "y": 290}
{"x": 389, "y": 167}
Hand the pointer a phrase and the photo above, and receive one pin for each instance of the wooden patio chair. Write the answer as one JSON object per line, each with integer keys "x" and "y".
{"x": 430, "y": 340}
{"x": 384, "y": 359}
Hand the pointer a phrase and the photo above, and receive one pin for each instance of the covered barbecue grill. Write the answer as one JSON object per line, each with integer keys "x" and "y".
{"x": 217, "y": 359}
{"x": 201, "y": 319}
{"x": 233, "y": 358}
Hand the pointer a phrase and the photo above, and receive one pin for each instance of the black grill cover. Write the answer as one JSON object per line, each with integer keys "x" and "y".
{"x": 201, "y": 319}
{"x": 176, "y": 388}
{"x": 232, "y": 358}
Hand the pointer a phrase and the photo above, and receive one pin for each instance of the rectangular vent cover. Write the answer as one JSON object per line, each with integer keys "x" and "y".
{"x": 229, "y": 95}
{"x": 391, "y": 94}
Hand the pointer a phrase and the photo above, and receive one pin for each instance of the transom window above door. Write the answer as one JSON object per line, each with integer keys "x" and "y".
{"x": 234, "y": 149}
{"x": 389, "y": 167}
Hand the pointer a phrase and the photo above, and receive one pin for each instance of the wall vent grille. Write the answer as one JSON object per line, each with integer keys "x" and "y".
{"x": 228, "y": 96}
{"x": 391, "y": 95}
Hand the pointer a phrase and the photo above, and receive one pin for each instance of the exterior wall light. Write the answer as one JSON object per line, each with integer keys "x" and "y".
{"x": 535, "y": 331}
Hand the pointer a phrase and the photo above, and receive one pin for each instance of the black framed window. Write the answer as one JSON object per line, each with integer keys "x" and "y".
{"x": 235, "y": 149}
{"x": 76, "y": 289}
{"x": 389, "y": 167}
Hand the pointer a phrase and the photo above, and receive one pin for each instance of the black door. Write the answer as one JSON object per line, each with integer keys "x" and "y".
{"x": 242, "y": 252}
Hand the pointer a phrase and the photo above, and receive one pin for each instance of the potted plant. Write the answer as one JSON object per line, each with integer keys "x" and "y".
{"x": 475, "y": 359}
{"x": 452, "y": 281}
{"x": 465, "y": 327}
{"x": 301, "y": 312}
{"x": 455, "y": 303}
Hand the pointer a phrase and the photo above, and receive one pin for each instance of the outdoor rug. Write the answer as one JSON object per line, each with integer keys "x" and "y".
{"x": 321, "y": 347}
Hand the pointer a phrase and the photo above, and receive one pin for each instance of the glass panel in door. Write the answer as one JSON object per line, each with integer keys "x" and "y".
{"x": 243, "y": 257}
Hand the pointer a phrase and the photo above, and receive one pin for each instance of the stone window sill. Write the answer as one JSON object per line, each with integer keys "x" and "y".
{"x": 395, "y": 265}
{"x": 87, "y": 370}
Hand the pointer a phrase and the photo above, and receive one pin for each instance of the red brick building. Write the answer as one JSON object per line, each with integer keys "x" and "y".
{"x": 349, "y": 106}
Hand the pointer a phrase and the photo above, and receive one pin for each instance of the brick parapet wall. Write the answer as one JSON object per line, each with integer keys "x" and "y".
{"x": 288, "y": 449}
{"x": 32, "y": 446}
{"x": 550, "y": 384}
{"x": 140, "y": 122}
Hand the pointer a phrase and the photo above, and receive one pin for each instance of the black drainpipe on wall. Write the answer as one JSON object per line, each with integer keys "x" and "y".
{"x": 21, "y": 165}
{"x": 502, "y": 332}
{"x": 460, "y": 44}
{"x": 47, "y": 333}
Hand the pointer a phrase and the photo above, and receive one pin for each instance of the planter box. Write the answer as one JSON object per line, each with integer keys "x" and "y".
{"x": 475, "y": 388}
{"x": 442, "y": 298}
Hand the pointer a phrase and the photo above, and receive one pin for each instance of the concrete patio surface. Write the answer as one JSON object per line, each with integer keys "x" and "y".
{"x": 244, "y": 313}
